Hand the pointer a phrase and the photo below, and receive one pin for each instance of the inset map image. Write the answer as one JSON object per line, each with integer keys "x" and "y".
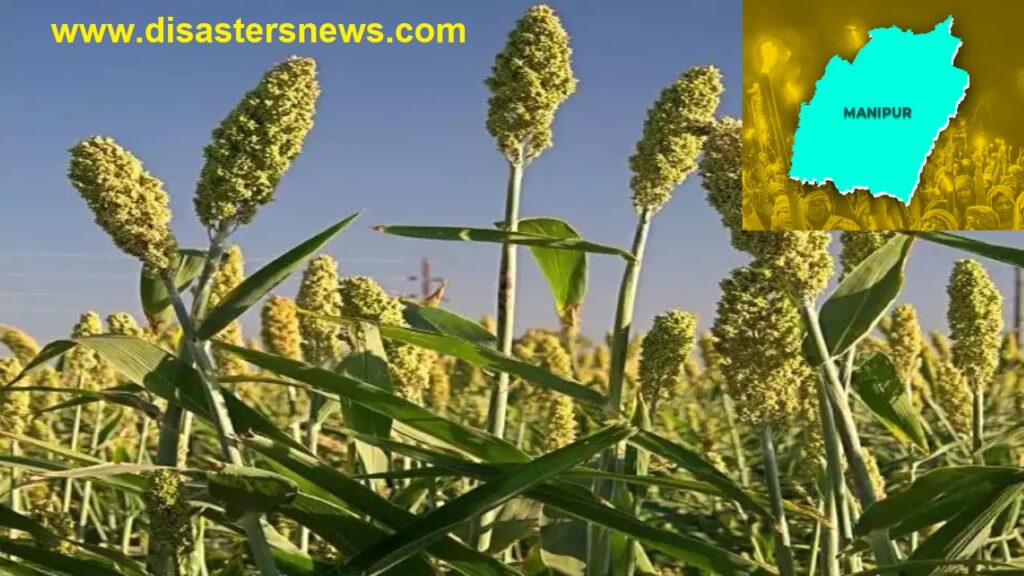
{"x": 883, "y": 115}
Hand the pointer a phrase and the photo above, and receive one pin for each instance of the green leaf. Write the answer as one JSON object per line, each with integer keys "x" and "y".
{"x": 936, "y": 497}
{"x": 461, "y": 436}
{"x": 245, "y": 490}
{"x": 123, "y": 395}
{"x": 888, "y": 398}
{"x": 156, "y": 304}
{"x": 583, "y": 504}
{"x": 368, "y": 364}
{"x": 861, "y": 298}
{"x": 492, "y": 360}
{"x": 565, "y": 270}
{"x": 164, "y": 375}
{"x": 320, "y": 480}
{"x": 392, "y": 550}
{"x": 462, "y": 234}
{"x": 563, "y": 543}
{"x": 962, "y": 535}
{"x": 255, "y": 287}
{"x": 518, "y": 518}
{"x": 1004, "y": 254}
{"x": 441, "y": 321}
{"x": 345, "y": 532}
{"x": 701, "y": 469}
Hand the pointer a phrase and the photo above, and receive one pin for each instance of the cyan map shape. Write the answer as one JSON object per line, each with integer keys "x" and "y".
{"x": 895, "y": 68}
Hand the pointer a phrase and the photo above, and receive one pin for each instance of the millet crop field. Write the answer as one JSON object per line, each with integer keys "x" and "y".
{"x": 364, "y": 433}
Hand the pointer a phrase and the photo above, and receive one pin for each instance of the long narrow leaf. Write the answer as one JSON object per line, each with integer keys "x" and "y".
{"x": 392, "y": 550}
{"x": 693, "y": 463}
{"x": 583, "y": 504}
{"x": 441, "y": 321}
{"x": 462, "y": 234}
{"x": 931, "y": 492}
{"x": 861, "y": 298}
{"x": 255, "y": 287}
{"x": 466, "y": 438}
{"x": 888, "y": 398}
{"x": 368, "y": 364}
{"x": 323, "y": 481}
{"x": 164, "y": 375}
{"x": 153, "y": 293}
{"x": 1004, "y": 254}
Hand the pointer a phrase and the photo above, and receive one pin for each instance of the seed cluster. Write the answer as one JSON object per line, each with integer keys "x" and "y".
{"x": 254, "y": 146}
{"x": 529, "y": 80}
{"x": 280, "y": 327}
{"x": 665, "y": 350}
{"x": 128, "y": 202}
{"x": 673, "y": 135}
{"x": 975, "y": 321}
{"x": 758, "y": 333}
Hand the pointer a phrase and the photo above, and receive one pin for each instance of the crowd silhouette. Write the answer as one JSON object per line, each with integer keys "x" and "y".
{"x": 969, "y": 182}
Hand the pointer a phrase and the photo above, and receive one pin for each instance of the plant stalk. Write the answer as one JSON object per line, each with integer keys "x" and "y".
{"x": 736, "y": 439}
{"x": 76, "y": 427}
{"x": 140, "y": 457}
{"x": 599, "y": 540}
{"x": 834, "y": 490}
{"x": 978, "y": 425}
{"x": 94, "y": 441}
{"x": 783, "y": 546}
{"x": 198, "y": 352}
{"x": 497, "y": 411}
{"x": 885, "y": 551}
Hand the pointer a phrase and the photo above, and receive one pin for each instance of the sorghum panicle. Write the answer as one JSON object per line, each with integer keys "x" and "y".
{"x": 256, "y": 143}
{"x": 798, "y": 261}
{"x": 953, "y": 395}
{"x": 124, "y": 324}
{"x": 127, "y": 202}
{"x": 362, "y": 298}
{"x": 529, "y": 80}
{"x": 489, "y": 323}
{"x": 82, "y": 362}
{"x": 560, "y": 423}
{"x": 673, "y": 135}
{"x": 439, "y": 389}
{"x": 229, "y": 275}
{"x": 758, "y": 334}
{"x": 874, "y": 473}
{"x": 709, "y": 354}
{"x": 280, "y": 327}
{"x": 318, "y": 294}
{"x": 721, "y": 172}
{"x": 23, "y": 346}
{"x": 170, "y": 529}
{"x": 942, "y": 344}
{"x": 666, "y": 348}
{"x": 975, "y": 317}
{"x": 905, "y": 342}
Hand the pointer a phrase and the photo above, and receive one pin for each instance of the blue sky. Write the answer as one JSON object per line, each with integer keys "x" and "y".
{"x": 399, "y": 135}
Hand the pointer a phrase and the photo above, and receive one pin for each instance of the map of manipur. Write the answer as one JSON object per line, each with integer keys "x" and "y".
{"x": 872, "y": 122}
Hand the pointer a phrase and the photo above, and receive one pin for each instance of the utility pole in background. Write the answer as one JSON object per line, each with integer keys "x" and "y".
{"x": 429, "y": 284}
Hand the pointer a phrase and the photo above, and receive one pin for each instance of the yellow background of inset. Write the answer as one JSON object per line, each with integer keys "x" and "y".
{"x": 786, "y": 45}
